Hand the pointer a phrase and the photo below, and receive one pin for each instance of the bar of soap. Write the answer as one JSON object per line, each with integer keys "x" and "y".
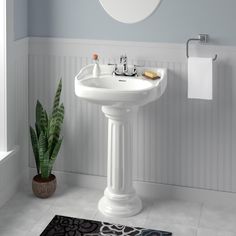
{"x": 151, "y": 75}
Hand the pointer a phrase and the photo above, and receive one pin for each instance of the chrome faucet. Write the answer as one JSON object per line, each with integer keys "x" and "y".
{"x": 125, "y": 69}
{"x": 123, "y": 61}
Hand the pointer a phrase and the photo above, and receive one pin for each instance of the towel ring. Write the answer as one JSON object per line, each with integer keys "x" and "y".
{"x": 202, "y": 38}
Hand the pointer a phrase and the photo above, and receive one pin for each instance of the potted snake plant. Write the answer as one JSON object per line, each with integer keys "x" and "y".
{"x": 46, "y": 142}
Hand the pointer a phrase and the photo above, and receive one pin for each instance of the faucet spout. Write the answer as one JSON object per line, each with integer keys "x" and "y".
{"x": 123, "y": 61}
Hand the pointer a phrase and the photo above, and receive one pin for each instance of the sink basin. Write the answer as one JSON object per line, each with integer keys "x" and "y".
{"x": 122, "y": 91}
{"x": 117, "y": 83}
{"x": 119, "y": 97}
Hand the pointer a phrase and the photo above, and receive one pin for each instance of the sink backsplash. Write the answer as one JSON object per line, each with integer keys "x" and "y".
{"x": 178, "y": 141}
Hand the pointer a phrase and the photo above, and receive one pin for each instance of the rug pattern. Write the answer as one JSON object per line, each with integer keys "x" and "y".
{"x": 68, "y": 226}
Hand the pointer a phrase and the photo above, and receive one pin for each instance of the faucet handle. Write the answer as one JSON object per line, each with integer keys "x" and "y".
{"x": 135, "y": 67}
{"x": 123, "y": 57}
{"x": 115, "y": 65}
{"x": 135, "y": 72}
{"x": 115, "y": 68}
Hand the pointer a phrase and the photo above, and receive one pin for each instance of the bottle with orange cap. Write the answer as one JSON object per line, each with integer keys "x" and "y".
{"x": 96, "y": 69}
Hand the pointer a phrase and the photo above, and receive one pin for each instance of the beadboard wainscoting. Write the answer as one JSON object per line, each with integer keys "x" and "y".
{"x": 177, "y": 141}
{"x": 14, "y": 164}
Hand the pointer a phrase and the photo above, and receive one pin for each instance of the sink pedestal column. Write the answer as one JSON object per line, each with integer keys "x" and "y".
{"x": 120, "y": 199}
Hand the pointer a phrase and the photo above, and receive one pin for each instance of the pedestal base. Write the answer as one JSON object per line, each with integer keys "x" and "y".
{"x": 119, "y": 205}
{"x": 120, "y": 199}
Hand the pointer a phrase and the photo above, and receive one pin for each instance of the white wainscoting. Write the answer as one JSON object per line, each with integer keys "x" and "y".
{"x": 13, "y": 165}
{"x": 177, "y": 141}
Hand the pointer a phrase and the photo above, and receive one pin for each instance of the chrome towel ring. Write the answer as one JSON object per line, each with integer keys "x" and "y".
{"x": 202, "y": 38}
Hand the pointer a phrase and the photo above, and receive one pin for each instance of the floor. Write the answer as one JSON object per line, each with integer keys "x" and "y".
{"x": 25, "y": 215}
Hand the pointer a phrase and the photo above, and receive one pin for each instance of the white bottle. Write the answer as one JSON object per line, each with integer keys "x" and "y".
{"x": 96, "y": 68}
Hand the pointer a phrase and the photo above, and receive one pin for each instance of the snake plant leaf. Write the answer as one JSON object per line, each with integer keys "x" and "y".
{"x": 39, "y": 111}
{"x": 58, "y": 118}
{"x": 48, "y": 125}
{"x": 52, "y": 136}
{"x": 34, "y": 141}
{"x": 56, "y": 150}
{"x": 44, "y": 164}
{"x": 60, "y": 113}
{"x": 44, "y": 121}
{"x": 38, "y": 129}
{"x": 42, "y": 145}
{"x": 57, "y": 97}
{"x": 54, "y": 154}
{"x": 55, "y": 127}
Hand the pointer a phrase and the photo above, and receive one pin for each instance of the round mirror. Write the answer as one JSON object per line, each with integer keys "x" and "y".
{"x": 130, "y": 11}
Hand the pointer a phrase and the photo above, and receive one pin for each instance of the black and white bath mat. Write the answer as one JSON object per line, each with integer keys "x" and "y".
{"x": 68, "y": 226}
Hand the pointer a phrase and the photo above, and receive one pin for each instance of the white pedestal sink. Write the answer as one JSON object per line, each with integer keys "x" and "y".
{"x": 120, "y": 97}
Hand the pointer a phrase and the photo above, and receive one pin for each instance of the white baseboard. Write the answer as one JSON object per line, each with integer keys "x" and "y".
{"x": 149, "y": 190}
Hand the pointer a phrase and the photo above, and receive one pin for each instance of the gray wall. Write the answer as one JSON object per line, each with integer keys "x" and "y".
{"x": 175, "y": 21}
{"x": 21, "y": 18}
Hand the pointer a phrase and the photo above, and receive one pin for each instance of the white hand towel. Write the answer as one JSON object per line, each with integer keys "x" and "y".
{"x": 200, "y": 73}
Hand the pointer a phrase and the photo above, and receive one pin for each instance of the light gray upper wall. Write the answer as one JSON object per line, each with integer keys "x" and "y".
{"x": 174, "y": 21}
{"x": 21, "y": 18}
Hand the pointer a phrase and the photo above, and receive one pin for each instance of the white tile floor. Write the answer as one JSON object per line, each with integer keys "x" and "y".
{"x": 25, "y": 215}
